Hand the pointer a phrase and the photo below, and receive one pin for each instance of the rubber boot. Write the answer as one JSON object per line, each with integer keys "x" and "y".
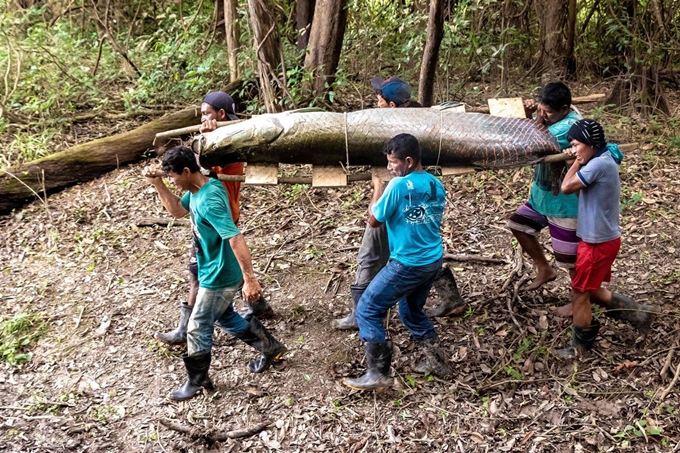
{"x": 626, "y": 309}
{"x": 349, "y": 322}
{"x": 179, "y": 335}
{"x": 197, "y": 366}
{"x": 257, "y": 336}
{"x": 378, "y": 359}
{"x": 582, "y": 341}
{"x": 447, "y": 289}
{"x": 434, "y": 359}
{"x": 259, "y": 309}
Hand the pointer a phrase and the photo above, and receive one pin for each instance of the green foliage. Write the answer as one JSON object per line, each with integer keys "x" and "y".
{"x": 17, "y": 335}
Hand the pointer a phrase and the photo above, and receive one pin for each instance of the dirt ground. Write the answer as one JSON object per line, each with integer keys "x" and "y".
{"x": 98, "y": 381}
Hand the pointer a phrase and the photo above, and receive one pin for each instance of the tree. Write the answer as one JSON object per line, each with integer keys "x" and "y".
{"x": 304, "y": 13}
{"x": 268, "y": 51}
{"x": 325, "y": 43}
{"x": 554, "y": 35}
{"x": 435, "y": 33}
{"x": 233, "y": 34}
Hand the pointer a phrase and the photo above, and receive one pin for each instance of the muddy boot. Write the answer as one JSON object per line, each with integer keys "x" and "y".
{"x": 581, "y": 342}
{"x": 257, "y": 336}
{"x": 434, "y": 361}
{"x": 451, "y": 301}
{"x": 197, "y": 368}
{"x": 179, "y": 335}
{"x": 378, "y": 359}
{"x": 260, "y": 309}
{"x": 626, "y": 309}
{"x": 349, "y": 322}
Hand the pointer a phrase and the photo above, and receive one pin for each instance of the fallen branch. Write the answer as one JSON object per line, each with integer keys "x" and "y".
{"x": 152, "y": 221}
{"x": 196, "y": 433}
{"x": 668, "y": 389}
{"x": 479, "y": 259}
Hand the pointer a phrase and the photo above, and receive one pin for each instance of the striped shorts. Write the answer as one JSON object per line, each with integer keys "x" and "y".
{"x": 562, "y": 232}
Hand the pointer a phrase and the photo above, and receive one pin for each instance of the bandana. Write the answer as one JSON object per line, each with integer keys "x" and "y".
{"x": 588, "y": 132}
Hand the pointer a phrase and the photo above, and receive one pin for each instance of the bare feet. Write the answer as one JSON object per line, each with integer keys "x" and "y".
{"x": 565, "y": 311}
{"x": 542, "y": 278}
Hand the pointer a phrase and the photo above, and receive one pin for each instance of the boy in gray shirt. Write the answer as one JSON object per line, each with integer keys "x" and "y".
{"x": 594, "y": 176}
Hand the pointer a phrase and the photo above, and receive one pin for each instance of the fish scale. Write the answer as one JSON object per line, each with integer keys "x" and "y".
{"x": 447, "y": 138}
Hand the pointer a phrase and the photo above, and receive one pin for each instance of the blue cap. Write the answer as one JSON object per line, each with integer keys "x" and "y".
{"x": 392, "y": 89}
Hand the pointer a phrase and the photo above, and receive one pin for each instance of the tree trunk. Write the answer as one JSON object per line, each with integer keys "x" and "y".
{"x": 325, "y": 43}
{"x": 268, "y": 50}
{"x": 553, "y": 59}
{"x": 219, "y": 20}
{"x": 233, "y": 34}
{"x": 304, "y": 13}
{"x": 435, "y": 34}
{"x": 86, "y": 161}
{"x": 570, "y": 38}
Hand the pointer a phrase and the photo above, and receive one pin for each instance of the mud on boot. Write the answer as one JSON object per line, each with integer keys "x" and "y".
{"x": 626, "y": 309}
{"x": 349, "y": 322}
{"x": 582, "y": 341}
{"x": 434, "y": 359}
{"x": 197, "y": 366}
{"x": 378, "y": 360}
{"x": 451, "y": 301}
{"x": 259, "y": 309}
{"x": 179, "y": 335}
{"x": 258, "y": 337}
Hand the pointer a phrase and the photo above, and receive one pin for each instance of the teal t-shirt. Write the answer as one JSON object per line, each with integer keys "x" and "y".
{"x": 412, "y": 207}
{"x": 542, "y": 198}
{"x": 212, "y": 227}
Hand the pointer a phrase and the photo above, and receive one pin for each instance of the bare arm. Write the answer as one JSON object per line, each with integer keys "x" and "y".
{"x": 171, "y": 202}
{"x": 378, "y": 189}
{"x": 251, "y": 287}
{"x": 571, "y": 182}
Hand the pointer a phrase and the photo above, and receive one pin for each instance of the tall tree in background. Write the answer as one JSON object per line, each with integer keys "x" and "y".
{"x": 325, "y": 43}
{"x": 304, "y": 13}
{"x": 233, "y": 34}
{"x": 555, "y": 37}
{"x": 268, "y": 51}
{"x": 435, "y": 33}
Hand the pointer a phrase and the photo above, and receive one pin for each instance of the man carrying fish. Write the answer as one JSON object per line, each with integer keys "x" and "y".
{"x": 374, "y": 250}
{"x": 224, "y": 268}
{"x": 216, "y": 106}
{"x": 594, "y": 176}
{"x": 547, "y": 205}
{"x": 411, "y": 207}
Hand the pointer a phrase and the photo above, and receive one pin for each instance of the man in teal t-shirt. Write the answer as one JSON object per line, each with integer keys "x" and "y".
{"x": 224, "y": 268}
{"x": 547, "y": 205}
{"x": 411, "y": 206}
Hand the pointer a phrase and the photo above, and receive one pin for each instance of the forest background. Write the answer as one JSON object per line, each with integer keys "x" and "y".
{"x": 83, "y": 286}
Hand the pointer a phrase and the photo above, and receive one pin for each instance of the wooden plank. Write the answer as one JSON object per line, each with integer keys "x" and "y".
{"x": 507, "y": 107}
{"x": 457, "y": 171}
{"x": 262, "y": 174}
{"x": 328, "y": 176}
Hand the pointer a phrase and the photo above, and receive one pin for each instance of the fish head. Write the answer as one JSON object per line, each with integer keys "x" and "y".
{"x": 243, "y": 136}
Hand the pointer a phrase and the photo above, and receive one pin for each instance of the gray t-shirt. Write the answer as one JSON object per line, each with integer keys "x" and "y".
{"x": 598, "y": 204}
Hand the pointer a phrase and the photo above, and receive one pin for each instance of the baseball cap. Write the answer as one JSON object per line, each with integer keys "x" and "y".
{"x": 220, "y": 100}
{"x": 392, "y": 89}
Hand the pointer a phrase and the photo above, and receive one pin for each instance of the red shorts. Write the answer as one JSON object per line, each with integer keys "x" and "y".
{"x": 594, "y": 264}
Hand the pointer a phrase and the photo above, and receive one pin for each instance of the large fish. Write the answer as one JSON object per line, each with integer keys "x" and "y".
{"x": 323, "y": 138}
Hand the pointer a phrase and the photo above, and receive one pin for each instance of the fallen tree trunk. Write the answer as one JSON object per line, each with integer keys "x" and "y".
{"x": 86, "y": 161}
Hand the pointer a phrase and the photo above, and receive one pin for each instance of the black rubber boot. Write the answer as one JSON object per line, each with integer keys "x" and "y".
{"x": 581, "y": 342}
{"x": 378, "y": 359}
{"x": 259, "y": 309}
{"x": 349, "y": 322}
{"x": 626, "y": 309}
{"x": 257, "y": 336}
{"x": 451, "y": 301}
{"x": 197, "y": 369}
{"x": 434, "y": 359}
{"x": 179, "y": 335}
